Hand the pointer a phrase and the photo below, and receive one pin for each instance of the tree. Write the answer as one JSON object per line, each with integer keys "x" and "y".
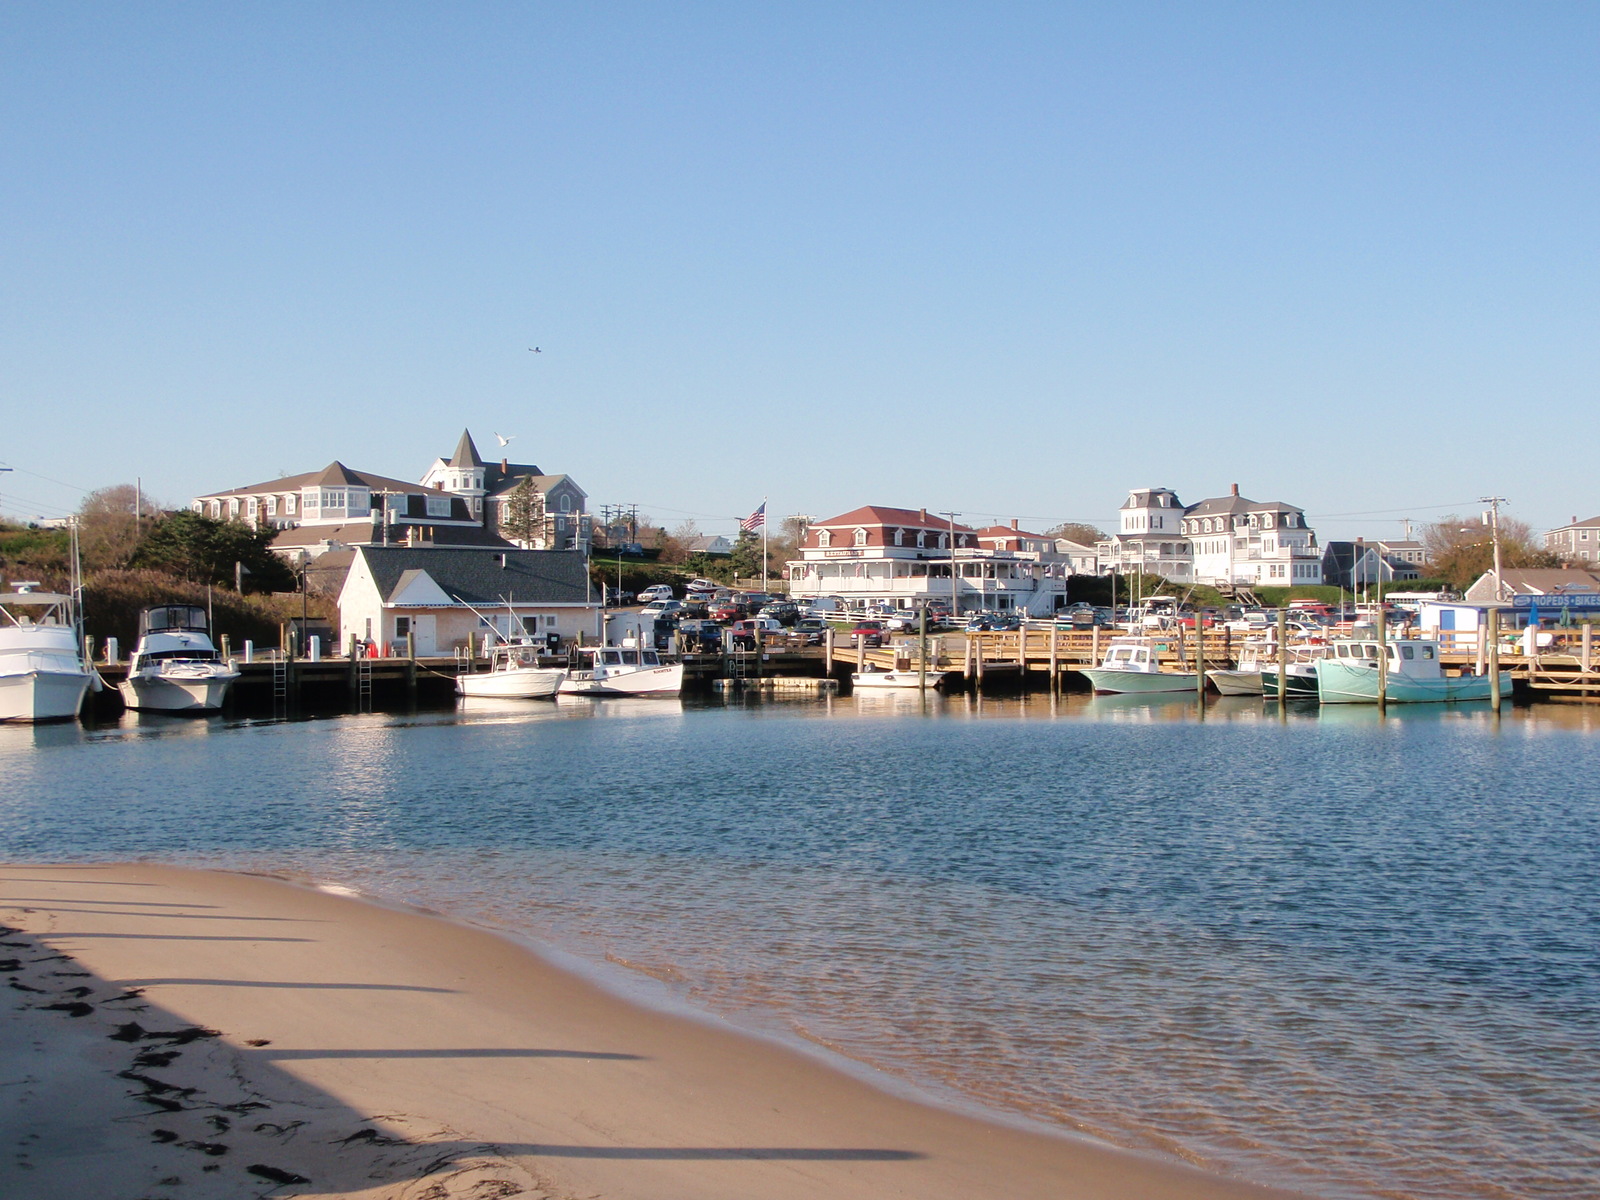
{"x": 1077, "y": 531}
{"x": 745, "y": 560}
{"x": 524, "y": 513}
{"x": 110, "y": 522}
{"x": 1460, "y": 549}
{"x": 204, "y": 550}
{"x": 678, "y": 545}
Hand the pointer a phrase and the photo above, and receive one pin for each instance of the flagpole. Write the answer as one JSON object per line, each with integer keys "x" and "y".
{"x": 763, "y": 543}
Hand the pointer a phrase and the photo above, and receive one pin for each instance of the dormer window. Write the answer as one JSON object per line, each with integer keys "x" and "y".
{"x": 922, "y": 538}
{"x": 944, "y": 541}
{"x": 861, "y": 537}
{"x": 899, "y": 537}
{"x": 824, "y": 539}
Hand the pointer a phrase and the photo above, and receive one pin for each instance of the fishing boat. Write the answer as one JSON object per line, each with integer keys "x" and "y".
{"x": 42, "y": 673}
{"x": 1412, "y": 674}
{"x": 622, "y": 671}
{"x": 514, "y": 674}
{"x": 1245, "y": 678}
{"x": 1133, "y": 664}
{"x": 175, "y": 667}
{"x": 1301, "y": 671}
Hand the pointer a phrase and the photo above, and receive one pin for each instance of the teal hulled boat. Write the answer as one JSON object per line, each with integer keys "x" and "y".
{"x": 1413, "y": 675}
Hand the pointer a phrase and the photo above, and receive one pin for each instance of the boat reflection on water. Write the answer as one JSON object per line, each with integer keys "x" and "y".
{"x": 899, "y": 702}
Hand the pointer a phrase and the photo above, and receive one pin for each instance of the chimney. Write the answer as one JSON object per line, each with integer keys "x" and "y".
{"x": 925, "y": 517}
{"x": 1013, "y": 523}
{"x": 505, "y": 466}
{"x": 1235, "y": 487}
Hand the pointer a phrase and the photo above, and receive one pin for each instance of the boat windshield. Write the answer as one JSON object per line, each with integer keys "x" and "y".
{"x": 170, "y": 617}
{"x": 630, "y": 658}
{"x": 611, "y": 658}
{"x": 651, "y": 658}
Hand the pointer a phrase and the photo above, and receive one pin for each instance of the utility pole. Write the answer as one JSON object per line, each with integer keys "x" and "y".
{"x": 955, "y": 600}
{"x": 1493, "y": 518}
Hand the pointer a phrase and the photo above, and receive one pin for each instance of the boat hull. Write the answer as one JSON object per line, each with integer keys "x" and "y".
{"x": 1301, "y": 683}
{"x": 38, "y": 695}
{"x": 1338, "y": 683}
{"x": 1235, "y": 683}
{"x": 531, "y": 683}
{"x": 647, "y": 681}
{"x": 1105, "y": 679}
{"x": 159, "y": 693}
{"x": 892, "y": 679}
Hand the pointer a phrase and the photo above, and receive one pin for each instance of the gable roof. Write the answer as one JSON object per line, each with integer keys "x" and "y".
{"x": 1534, "y": 581}
{"x": 335, "y": 474}
{"x": 504, "y": 483}
{"x": 478, "y": 577}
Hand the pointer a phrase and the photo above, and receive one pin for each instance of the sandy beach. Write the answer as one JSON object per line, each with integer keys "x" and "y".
{"x": 191, "y": 1034}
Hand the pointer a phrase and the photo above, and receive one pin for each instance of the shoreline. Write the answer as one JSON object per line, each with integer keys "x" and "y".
{"x": 414, "y": 1040}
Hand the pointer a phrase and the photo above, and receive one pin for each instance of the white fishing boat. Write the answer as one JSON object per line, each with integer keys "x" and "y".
{"x": 1133, "y": 664}
{"x": 622, "y": 671}
{"x": 514, "y": 674}
{"x": 42, "y": 673}
{"x": 175, "y": 667}
{"x": 1412, "y": 673}
{"x": 1244, "y": 679}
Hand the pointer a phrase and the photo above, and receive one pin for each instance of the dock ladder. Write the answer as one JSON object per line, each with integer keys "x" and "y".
{"x": 363, "y": 684}
{"x": 280, "y": 682}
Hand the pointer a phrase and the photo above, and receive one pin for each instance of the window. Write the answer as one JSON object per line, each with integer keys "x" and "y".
{"x": 824, "y": 539}
{"x": 861, "y": 537}
{"x": 1408, "y": 652}
{"x": 332, "y": 498}
{"x": 402, "y": 626}
{"x": 566, "y": 504}
{"x": 438, "y": 506}
{"x": 289, "y": 503}
{"x": 272, "y": 506}
{"x": 899, "y": 537}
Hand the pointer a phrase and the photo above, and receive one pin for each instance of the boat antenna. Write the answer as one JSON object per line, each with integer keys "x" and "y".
{"x": 487, "y": 621}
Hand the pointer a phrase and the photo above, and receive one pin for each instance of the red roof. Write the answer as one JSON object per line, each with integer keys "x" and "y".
{"x": 878, "y": 514}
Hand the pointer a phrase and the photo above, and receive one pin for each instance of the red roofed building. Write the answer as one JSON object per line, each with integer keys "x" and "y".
{"x": 906, "y": 557}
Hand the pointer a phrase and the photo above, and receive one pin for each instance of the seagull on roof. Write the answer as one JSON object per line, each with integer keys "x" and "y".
{"x": 505, "y": 441}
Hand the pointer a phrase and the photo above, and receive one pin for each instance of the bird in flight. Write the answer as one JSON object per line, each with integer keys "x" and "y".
{"x": 505, "y": 441}
{"x": 534, "y": 350}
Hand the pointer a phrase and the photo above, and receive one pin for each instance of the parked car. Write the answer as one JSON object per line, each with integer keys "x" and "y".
{"x": 692, "y": 610}
{"x": 867, "y": 633}
{"x": 700, "y": 637}
{"x": 656, "y": 591}
{"x": 728, "y": 610}
{"x": 781, "y": 611}
{"x": 615, "y": 598}
{"x": 810, "y": 630}
{"x": 708, "y": 586}
{"x": 742, "y": 634}
{"x": 662, "y": 608}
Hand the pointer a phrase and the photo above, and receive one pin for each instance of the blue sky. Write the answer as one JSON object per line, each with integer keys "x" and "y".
{"x": 1009, "y": 259}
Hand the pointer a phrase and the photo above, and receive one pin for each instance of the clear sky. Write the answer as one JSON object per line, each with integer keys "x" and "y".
{"x": 1010, "y": 259}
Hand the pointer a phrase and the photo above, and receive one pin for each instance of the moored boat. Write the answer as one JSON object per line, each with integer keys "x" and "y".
{"x": 893, "y": 679}
{"x": 1133, "y": 664}
{"x": 42, "y": 673}
{"x": 1412, "y": 673}
{"x": 175, "y": 666}
{"x": 623, "y": 671}
{"x": 1301, "y": 673}
{"x": 514, "y": 674}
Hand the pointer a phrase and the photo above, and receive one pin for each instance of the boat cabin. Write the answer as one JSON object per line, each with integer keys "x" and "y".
{"x": 616, "y": 656}
{"x": 1414, "y": 657}
{"x": 174, "y": 618}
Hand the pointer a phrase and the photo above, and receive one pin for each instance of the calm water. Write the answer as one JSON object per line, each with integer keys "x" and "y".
{"x": 1359, "y": 958}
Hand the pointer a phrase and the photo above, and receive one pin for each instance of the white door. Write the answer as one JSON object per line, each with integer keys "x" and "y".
{"x": 426, "y": 636}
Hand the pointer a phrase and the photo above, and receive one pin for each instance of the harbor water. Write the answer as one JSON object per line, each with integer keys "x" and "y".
{"x": 1351, "y": 955}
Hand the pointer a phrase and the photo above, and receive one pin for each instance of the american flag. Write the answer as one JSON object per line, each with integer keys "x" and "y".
{"x": 756, "y": 519}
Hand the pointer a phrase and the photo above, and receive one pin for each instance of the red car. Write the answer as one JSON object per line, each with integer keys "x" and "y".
{"x": 867, "y": 633}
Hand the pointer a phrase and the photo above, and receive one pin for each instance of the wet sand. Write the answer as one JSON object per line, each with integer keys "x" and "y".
{"x": 196, "y": 1034}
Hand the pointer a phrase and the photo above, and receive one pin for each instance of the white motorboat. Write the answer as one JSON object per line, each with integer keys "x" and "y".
{"x": 623, "y": 671}
{"x": 1133, "y": 664}
{"x": 1245, "y": 678}
{"x": 42, "y": 673}
{"x": 893, "y": 679}
{"x": 514, "y": 674}
{"x": 175, "y": 667}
